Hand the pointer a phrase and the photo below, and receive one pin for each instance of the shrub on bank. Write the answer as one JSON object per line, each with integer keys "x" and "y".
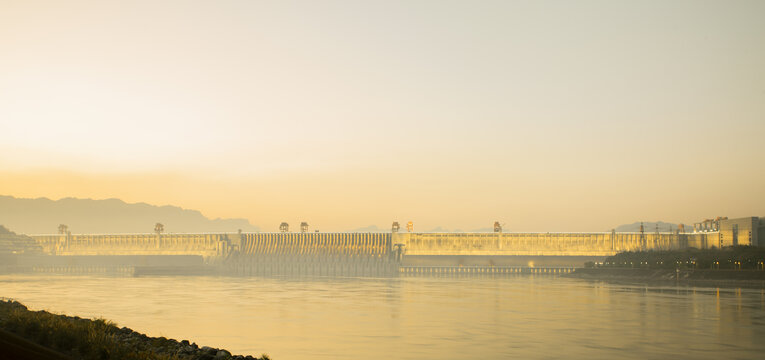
{"x": 99, "y": 338}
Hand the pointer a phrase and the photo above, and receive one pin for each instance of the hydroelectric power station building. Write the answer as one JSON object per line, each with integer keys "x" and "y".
{"x": 741, "y": 231}
{"x": 361, "y": 254}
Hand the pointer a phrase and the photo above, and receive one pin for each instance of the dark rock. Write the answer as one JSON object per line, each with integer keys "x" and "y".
{"x": 222, "y": 354}
{"x": 209, "y": 350}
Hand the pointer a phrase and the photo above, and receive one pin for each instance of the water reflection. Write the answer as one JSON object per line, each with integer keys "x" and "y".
{"x": 417, "y": 317}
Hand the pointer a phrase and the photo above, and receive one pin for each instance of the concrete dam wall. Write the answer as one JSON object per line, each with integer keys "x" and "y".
{"x": 550, "y": 250}
{"x": 206, "y": 245}
{"x": 359, "y": 245}
{"x": 345, "y": 254}
{"x": 370, "y": 253}
{"x": 244, "y": 253}
{"x": 545, "y": 244}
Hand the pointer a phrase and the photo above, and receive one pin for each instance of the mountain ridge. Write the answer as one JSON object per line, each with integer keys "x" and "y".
{"x": 43, "y": 215}
{"x": 648, "y": 226}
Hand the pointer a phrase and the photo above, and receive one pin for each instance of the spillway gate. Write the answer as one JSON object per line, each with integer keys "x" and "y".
{"x": 320, "y": 254}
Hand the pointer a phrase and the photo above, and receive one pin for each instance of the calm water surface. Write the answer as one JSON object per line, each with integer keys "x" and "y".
{"x": 416, "y": 317}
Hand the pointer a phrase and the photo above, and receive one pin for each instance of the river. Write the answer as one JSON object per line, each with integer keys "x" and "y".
{"x": 523, "y": 317}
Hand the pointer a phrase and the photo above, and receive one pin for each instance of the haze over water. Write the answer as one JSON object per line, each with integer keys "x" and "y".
{"x": 417, "y": 317}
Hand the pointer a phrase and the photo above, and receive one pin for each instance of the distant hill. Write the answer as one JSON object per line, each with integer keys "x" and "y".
{"x": 12, "y": 244}
{"x": 42, "y": 216}
{"x": 649, "y": 226}
{"x": 4, "y": 231}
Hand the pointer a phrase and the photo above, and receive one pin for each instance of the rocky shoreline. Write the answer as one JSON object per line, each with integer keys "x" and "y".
{"x": 180, "y": 349}
{"x": 78, "y": 338}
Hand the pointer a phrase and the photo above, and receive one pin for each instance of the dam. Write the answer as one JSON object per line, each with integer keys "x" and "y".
{"x": 362, "y": 254}
{"x": 552, "y": 250}
{"x": 359, "y": 244}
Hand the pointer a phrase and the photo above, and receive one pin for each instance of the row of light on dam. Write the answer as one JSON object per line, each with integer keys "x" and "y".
{"x": 285, "y": 227}
{"x": 395, "y": 227}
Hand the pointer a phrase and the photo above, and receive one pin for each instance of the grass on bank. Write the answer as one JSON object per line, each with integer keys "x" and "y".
{"x": 84, "y": 338}
{"x": 89, "y": 339}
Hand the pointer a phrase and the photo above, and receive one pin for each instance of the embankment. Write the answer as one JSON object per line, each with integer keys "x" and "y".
{"x": 737, "y": 278}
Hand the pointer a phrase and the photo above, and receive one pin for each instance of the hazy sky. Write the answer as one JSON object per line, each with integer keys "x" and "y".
{"x": 545, "y": 115}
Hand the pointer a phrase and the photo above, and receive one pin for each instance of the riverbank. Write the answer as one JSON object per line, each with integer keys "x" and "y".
{"x": 42, "y": 335}
{"x": 697, "y": 277}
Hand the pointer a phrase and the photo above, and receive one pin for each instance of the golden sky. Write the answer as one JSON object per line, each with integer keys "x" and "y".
{"x": 546, "y": 115}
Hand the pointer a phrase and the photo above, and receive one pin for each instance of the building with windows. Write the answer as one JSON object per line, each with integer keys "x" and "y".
{"x": 740, "y": 231}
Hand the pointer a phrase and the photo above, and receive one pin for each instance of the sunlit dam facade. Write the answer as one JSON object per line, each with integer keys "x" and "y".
{"x": 380, "y": 253}
{"x": 211, "y": 245}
